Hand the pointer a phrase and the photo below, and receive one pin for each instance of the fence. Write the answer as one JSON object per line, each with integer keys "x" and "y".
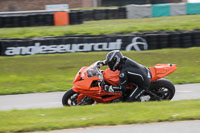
{"x": 68, "y": 44}
{"x": 161, "y": 10}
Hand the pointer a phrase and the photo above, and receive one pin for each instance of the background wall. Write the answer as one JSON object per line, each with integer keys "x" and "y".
{"x": 25, "y": 5}
{"x": 139, "y": 2}
{"x": 122, "y": 2}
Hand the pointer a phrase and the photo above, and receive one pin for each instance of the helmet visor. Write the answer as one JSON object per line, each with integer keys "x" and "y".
{"x": 111, "y": 64}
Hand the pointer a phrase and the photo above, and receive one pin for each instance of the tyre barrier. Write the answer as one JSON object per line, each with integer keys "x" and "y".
{"x": 26, "y": 20}
{"x": 186, "y": 40}
{"x": 174, "y": 40}
{"x": 47, "y": 19}
{"x": 99, "y": 14}
{"x": 122, "y": 13}
{"x": 196, "y": 38}
{"x": 36, "y": 19}
{"x": 152, "y": 40}
{"x": 104, "y": 14}
{"x": 74, "y": 17}
{"x": 111, "y": 13}
{"x": 86, "y": 43}
{"x": 88, "y": 15}
{"x": 163, "y": 40}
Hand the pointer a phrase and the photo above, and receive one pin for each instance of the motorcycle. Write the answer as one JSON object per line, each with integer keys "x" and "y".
{"x": 89, "y": 82}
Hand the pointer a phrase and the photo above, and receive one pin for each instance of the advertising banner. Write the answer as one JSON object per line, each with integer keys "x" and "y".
{"x": 193, "y": 8}
{"x": 72, "y": 44}
{"x": 127, "y": 42}
{"x": 177, "y": 9}
{"x": 139, "y": 11}
{"x": 160, "y": 10}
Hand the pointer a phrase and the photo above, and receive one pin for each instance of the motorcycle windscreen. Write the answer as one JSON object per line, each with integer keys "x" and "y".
{"x": 78, "y": 75}
{"x": 111, "y": 77}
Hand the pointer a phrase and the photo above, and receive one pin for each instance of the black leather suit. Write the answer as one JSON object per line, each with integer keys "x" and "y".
{"x": 133, "y": 72}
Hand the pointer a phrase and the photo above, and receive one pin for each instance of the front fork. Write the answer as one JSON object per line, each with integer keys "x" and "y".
{"x": 80, "y": 98}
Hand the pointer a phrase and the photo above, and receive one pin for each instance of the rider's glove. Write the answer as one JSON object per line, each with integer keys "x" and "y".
{"x": 108, "y": 88}
{"x": 104, "y": 62}
{"x": 101, "y": 63}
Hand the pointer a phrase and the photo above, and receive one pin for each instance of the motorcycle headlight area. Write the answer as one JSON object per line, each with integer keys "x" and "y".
{"x": 92, "y": 73}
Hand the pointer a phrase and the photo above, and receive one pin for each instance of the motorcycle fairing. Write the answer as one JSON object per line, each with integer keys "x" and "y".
{"x": 99, "y": 96}
{"x": 111, "y": 77}
{"x": 78, "y": 75}
{"x": 82, "y": 84}
{"x": 86, "y": 83}
{"x": 161, "y": 70}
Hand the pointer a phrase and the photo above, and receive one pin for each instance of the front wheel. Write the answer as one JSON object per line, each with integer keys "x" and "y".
{"x": 70, "y": 98}
{"x": 163, "y": 88}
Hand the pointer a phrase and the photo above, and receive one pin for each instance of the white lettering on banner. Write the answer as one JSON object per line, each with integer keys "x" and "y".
{"x": 37, "y": 48}
{"x": 135, "y": 44}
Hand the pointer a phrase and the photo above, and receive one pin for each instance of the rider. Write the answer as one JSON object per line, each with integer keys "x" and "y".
{"x": 130, "y": 72}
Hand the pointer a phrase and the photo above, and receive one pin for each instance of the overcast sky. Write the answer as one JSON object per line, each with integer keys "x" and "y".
{"x": 193, "y": 1}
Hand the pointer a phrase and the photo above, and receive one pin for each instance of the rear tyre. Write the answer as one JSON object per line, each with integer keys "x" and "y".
{"x": 163, "y": 88}
{"x": 70, "y": 98}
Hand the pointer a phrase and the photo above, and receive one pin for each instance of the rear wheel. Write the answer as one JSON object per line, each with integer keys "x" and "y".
{"x": 163, "y": 88}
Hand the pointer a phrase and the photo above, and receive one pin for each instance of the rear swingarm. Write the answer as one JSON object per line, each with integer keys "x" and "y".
{"x": 153, "y": 94}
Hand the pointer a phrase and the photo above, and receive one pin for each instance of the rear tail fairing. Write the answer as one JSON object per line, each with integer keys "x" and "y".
{"x": 161, "y": 70}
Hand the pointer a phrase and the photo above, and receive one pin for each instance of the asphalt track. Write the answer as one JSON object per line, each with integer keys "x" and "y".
{"x": 53, "y": 99}
{"x": 49, "y": 100}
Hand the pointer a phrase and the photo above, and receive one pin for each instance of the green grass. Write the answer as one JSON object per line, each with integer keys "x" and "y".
{"x": 55, "y": 72}
{"x": 110, "y": 114}
{"x": 121, "y": 26}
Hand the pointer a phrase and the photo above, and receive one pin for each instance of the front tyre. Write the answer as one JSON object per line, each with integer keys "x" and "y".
{"x": 70, "y": 98}
{"x": 163, "y": 88}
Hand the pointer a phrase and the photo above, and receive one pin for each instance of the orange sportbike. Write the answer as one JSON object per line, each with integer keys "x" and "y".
{"x": 89, "y": 81}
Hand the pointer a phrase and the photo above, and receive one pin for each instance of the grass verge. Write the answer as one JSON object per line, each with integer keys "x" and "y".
{"x": 188, "y": 22}
{"x": 110, "y": 114}
{"x": 55, "y": 72}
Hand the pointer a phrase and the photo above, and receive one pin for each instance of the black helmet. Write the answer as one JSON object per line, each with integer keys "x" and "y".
{"x": 113, "y": 59}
